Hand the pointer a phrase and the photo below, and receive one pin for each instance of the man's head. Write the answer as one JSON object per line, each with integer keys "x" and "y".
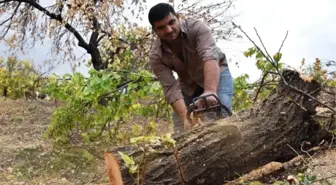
{"x": 164, "y": 21}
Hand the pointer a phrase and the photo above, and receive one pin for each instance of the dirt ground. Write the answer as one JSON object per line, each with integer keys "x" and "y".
{"x": 28, "y": 158}
{"x": 323, "y": 166}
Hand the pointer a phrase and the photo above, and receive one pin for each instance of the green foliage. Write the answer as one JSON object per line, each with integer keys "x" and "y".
{"x": 129, "y": 162}
{"x": 16, "y": 77}
{"x": 146, "y": 145}
{"x": 99, "y": 106}
{"x": 96, "y": 106}
{"x": 242, "y": 97}
{"x": 245, "y": 92}
{"x": 263, "y": 62}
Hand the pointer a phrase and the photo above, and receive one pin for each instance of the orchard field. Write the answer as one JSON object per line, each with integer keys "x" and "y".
{"x": 119, "y": 104}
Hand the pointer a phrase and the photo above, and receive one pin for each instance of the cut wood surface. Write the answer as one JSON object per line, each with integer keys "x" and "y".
{"x": 113, "y": 169}
{"x": 227, "y": 149}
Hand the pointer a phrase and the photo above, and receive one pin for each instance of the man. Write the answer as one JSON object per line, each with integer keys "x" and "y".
{"x": 188, "y": 48}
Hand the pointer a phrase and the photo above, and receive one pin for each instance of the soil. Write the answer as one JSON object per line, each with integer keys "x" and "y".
{"x": 323, "y": 165}
{"x": 28, "y": 158}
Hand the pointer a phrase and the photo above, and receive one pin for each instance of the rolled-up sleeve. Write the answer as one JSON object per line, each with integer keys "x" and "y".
{"x": 165, "y": 75}
{"x": 205, "y": 42}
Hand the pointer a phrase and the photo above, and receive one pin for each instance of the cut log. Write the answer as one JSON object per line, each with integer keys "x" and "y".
{"x": 222, "y": 151}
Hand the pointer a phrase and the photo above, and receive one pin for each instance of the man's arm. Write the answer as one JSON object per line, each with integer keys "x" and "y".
{"x": 170, "y": 86}
{"x": 211, "y": 77}
{"x": 180, "y": 108}
{"x": 207, "y": 50}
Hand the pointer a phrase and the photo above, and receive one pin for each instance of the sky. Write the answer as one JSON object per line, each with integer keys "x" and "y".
{"x": 311, "y": 27}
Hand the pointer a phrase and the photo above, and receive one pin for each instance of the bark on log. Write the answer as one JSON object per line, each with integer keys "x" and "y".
{"x": 218, "y": 152}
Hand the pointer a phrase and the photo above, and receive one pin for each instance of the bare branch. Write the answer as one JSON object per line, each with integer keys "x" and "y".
{"x": 262, "y": 43}
{"x": 10, "y": 24}
{"x": 283, "y": 41}
{"x": 261, "y": 85}
{"x": 279, "y": 73}
{"x": 10, "y": 18}
{"x": 58, "y": 17}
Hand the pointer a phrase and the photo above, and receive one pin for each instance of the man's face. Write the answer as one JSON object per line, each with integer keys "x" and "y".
{"x": 168, "y": 28}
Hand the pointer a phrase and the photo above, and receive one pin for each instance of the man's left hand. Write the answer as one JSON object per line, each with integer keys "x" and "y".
{"x": 210, "y": 100}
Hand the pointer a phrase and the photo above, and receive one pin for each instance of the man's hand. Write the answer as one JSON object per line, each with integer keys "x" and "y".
{"x": 187, "y": 125}
{"x": 181, "y": 110}
{"x": 210, "y": 100}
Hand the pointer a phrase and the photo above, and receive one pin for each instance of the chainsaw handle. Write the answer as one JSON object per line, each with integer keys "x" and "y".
{"x": 206, "y": 103}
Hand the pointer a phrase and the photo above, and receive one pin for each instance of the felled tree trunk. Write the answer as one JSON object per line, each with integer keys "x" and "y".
{"x": 219, "y": 152}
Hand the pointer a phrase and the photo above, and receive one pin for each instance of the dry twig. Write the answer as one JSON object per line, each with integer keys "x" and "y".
{"x": 260, "y": 86}
{"x": 269, "y": 59}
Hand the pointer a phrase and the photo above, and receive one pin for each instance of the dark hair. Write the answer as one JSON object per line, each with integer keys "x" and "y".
{"x": 160, "y": 11}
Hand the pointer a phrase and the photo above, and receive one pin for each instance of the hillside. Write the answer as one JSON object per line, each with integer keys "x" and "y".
{"x": 27, "y": 158}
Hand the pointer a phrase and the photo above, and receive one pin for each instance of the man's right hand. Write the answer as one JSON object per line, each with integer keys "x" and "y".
{"x": 187, "y": 125}
{"x": 181, "y": 109}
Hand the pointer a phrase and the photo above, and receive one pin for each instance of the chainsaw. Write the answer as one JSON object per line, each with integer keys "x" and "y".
{"x": 194, "y": 112}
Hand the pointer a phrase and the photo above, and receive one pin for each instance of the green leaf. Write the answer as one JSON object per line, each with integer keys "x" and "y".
{"x": 277, "y": 57}
{"x": 127, "y": 159}
{"x": 251, "y": 51}
{"x": 261, "y": 64}
{"x": 259, "y": 55}
{"x": 135, "y": 140}
{"x": 85, "y": 137}
{"x": 167, "y": 140}
{"x": 246, "y": 54}
{"x": 133, "y": 169}
{"x": 87, "y": 91}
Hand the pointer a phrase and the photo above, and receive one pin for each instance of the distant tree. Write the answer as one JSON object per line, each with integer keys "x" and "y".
{"x": 94, "y": 25}
{"x": 16, "y": 77}
{"x": 22, "y": 77}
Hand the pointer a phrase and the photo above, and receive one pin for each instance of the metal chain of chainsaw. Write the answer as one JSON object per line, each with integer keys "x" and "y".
{"x": 212, "y": 108}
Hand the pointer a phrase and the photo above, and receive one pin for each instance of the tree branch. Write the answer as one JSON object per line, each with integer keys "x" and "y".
{"x": 279, "y": 73}
{"x": 270, "y": 59}
{"x": 283, "y": 41}
{"x": 81, "y": 42}
{"x": 94, "y": 35}
{"x": 10, "y": 24}
{"x": 261, "y": 85}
